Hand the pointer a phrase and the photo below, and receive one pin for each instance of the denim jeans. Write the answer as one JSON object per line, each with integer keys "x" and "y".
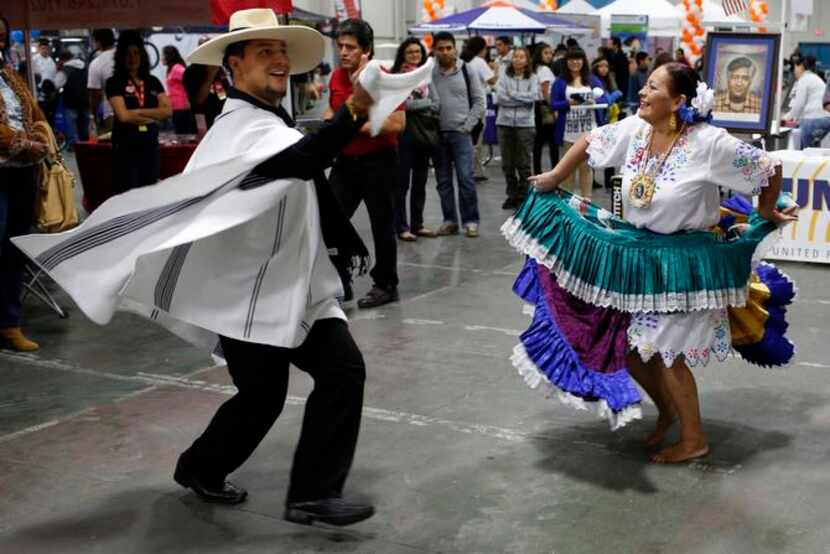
{"x": 813, "y": 131}
{"x": 414, "y": 170}
{"x": 457, "y": 150}
{"x": 77, "y": 126}
{"x": 17, "y": 200}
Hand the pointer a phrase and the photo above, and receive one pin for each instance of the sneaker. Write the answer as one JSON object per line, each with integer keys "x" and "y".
{"x": 472, "y": 230}
{"x": 481, "y": 178}
{"x": 448, "y": 229}
{"x": 378, "y": 297}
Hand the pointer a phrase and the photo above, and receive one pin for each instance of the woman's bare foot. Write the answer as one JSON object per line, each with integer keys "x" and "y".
{"x": 664, "y": 423}
{"x": 682, "y": 452}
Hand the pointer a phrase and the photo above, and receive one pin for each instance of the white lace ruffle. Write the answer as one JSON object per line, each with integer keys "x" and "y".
{"x": 533, "y": 377}
{"x": 665, "y": 303}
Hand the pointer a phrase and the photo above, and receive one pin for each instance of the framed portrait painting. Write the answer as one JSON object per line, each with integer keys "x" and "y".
{"x": 742, "y": 69}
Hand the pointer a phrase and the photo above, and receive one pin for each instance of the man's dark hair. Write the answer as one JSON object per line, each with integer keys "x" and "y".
{"x": 43, "y": 42}
{"x": 740, "y": 63}
{"x": 505, "y": 39}
{"x": 234, "y": 49}
{"x": 360, "y": 30}
{"x": 615, "y": 41}
{"x": 572, "y": 43}
{"x": 443, "y": 36}
{"x": 641, "y": 56}
{"x": 472, "y": 47}
{"x": 104, "y": 37}
{"x": 629, "y": 41}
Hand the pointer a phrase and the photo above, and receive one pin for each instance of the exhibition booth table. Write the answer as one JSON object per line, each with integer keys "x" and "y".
{"x": 807, "y": 177}
{"x": 95, "y": 167}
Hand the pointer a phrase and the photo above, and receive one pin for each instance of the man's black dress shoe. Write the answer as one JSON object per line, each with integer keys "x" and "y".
{"x": 334, "y": 511}
{"x": 218, "y": 493}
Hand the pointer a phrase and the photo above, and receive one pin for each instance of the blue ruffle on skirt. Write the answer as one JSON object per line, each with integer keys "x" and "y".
{"x": 545, "y": 354}
{"x": 774, "y": 349}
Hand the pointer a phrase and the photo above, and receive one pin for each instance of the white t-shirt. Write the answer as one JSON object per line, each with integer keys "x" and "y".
{"x": 45, "y": 67}
{"x": 480, "y": 68}
{"x": 578, "y": 121}
{"x": 544, "y": 74}
{"x": 101, "y": 69}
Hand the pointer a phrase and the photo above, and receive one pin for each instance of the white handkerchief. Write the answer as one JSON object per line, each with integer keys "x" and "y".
{"x": 389, "y": 90}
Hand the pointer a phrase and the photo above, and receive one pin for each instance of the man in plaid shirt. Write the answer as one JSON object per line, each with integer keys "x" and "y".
{"x": 738, "y": 98}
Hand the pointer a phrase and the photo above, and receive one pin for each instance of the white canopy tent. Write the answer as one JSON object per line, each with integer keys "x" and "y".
{"x": 578, "y": 7}
{"x": 663, "y": 17}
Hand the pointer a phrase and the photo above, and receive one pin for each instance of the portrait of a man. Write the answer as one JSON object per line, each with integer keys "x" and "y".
{"x": 742, "y": 70}
{"x": 738, "y": 96}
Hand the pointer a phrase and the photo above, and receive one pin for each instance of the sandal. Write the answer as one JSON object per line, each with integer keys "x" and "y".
{"x": 407, "y": 236}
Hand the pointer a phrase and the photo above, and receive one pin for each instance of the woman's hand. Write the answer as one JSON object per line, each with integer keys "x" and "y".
{"x": 779, "y": 217}
{"x": 544, "y": 182}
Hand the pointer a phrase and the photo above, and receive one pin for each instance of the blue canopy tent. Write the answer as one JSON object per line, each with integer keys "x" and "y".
{"x": 501, "y": 18}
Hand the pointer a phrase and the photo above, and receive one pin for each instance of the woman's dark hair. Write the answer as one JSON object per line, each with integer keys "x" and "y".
{"x": 6, "y": 47}
{"x": 682, "y": 80}
{"x": 607, "y": 80}
{"x": 528, "y": 71}
{"x": 585, "y": 72}
{"x": 360, "y": 30}
{"x": 172, "y": 57}
{"x": 126, "y": 39}
{"x": 472, "y": 47}
{"x": 662, "y": 59}
{"x": 537, "y": 55}
{"x": 400, "y": 56}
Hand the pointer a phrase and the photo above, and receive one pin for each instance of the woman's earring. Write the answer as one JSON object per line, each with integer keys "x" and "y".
{"x": 673, "y": 122}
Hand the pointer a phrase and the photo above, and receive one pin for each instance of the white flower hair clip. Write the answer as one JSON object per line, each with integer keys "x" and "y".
{"x": 704, "y": 101}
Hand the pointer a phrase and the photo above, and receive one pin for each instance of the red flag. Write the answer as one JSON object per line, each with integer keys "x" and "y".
{"x": 222, "y": 9}
{"x": 731, "y": 7}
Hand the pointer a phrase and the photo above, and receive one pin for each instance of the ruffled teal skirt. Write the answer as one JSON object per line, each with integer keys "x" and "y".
{"x": 587, "y": 271}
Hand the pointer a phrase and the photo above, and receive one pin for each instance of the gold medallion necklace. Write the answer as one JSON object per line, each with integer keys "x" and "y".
{"x": 644, "y": 184}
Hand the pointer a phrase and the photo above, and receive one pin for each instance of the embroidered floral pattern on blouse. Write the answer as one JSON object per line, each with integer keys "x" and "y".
{"x": 755, "y": 165}
{"x": 600, "y": 141}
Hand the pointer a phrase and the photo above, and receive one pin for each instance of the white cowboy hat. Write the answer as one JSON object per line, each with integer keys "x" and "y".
{"x": 305, "y": 45}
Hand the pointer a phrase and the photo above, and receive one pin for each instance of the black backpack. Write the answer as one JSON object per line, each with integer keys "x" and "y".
{"x": 75, "y": 96}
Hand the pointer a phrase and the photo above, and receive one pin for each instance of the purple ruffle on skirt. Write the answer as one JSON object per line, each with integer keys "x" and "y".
{"x": 774, "y": 349}
{"x": 578, "y": 348}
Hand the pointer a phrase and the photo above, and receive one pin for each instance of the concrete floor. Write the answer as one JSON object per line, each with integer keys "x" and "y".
{"x": 456, "y": 452}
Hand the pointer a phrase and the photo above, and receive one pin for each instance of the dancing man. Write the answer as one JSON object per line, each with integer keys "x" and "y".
{"x": 234, "y": 254}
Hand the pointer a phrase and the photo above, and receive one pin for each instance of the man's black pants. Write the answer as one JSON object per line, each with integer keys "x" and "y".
{"x": 332, "y": 413}
{"x": 372, "y": 179}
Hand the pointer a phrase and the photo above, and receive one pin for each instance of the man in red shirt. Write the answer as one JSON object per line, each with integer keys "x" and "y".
{"x": 366, "y": 169}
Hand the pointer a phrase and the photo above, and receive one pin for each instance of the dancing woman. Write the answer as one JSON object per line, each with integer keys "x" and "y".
{"x": 653, "y": 294}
